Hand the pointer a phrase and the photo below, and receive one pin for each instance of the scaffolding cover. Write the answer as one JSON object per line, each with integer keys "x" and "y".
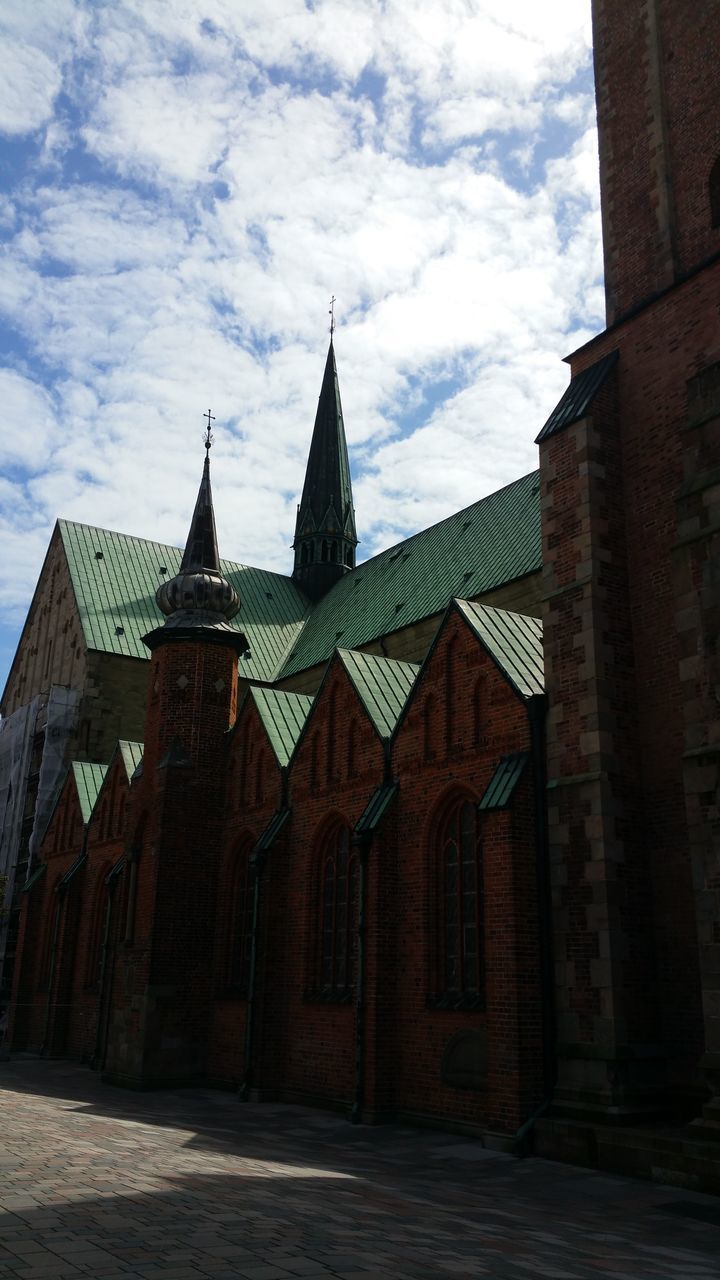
{"x": 34, "y": 743}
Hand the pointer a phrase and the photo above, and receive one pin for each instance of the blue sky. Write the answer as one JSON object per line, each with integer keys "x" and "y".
{"x": 184, "y": 185}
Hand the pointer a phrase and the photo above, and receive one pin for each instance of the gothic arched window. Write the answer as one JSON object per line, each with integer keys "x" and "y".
{"x": 459, "y": 873}
{"x": 338, "y": 942}
{"x": 239, "y": 928}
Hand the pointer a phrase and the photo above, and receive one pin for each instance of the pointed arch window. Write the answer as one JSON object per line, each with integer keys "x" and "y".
{"x": 338, "y": 924}
{"x": 460, "y": 974}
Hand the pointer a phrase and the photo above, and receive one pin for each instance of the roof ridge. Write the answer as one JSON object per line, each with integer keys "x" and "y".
{"x": 166, "y": 546}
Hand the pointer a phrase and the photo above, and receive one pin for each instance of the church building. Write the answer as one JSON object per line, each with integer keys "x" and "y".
{"x": 434, "y": 836}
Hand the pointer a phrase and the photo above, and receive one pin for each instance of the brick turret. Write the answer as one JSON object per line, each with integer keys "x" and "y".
{"x": 161, "y": 1002}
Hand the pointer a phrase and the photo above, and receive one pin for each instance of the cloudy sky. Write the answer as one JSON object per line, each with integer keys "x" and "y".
{"x": 185, "y": 183}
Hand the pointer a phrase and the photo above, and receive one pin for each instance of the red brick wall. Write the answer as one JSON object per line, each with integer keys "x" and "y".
{"x": 610, "y": 487}
{"x": 254, "y": 794}
{"x": 315, "y": 1053}
{"x": 659, "y": 131}
{"x": 163, "y": 982}
{"x": 106, "y": 838}
{"x": 488, "y": 721}
{"x": 41, "y": 998}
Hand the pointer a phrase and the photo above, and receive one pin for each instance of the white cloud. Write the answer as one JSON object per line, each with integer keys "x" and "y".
{"x": 219, "y": 173}
{"x": 27, "y": 88}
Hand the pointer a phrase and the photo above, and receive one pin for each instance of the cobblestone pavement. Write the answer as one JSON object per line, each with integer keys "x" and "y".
{"x": 100, "y": 1182}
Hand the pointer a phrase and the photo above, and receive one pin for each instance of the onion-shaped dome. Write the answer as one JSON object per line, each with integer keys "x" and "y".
{"x": 198, "y": 590}
{"x": 199, "y": 597}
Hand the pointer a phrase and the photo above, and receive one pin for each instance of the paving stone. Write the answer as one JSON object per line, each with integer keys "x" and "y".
{"x": 108, "y": 1185}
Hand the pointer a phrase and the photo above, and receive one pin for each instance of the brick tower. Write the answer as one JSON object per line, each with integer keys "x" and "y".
{"x": 630, "y": 461}
{"x": 160, "y": 997}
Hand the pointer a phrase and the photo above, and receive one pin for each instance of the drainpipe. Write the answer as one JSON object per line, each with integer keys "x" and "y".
{"x": 536, "y": 715}
{"x": 362, "y": 843}
{"x": 104, "y": 1001}
{"x": 51, "y": 979}
{"x": 259, "y": 861}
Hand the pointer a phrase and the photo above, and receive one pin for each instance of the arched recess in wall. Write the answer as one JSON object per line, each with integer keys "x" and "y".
{"x": 238, "y": 918}
{"x": 260, "y": 778}
{"x": 44, "y": 970}
{"x": 93, "y": 957}
{"x": 338, "y": 873}
{"x": 478, "y": 708}
{"x": 352, "y": 748}
{"x": 451, "y": 656}
{"x": 430, "y": 727}
{"x": 132, "y": 870}
{"x": 455, "y": 879}
{"x": 331, "y": 752}
{"x": 714, "y": 193}
{"x": 314, "y": 751}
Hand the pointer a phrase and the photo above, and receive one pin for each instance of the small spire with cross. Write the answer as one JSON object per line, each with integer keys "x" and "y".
{"x": 209, "y": 437}
{"x": 331, "y": 313}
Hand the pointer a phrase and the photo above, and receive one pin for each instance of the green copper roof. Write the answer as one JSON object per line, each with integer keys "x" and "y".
{"x": 132, "y": 754}
{"x": 493, "y": 542}
{"x": 579, "y": 396}
{"x": 37, "y": 873}
{"x": 513, "y": 640}
{"x": 271, "y": 832}
{"x": 115, "y": 577}
{"x": 382, "y": 684}
{"x": 500, "y": 789}
{"x": 72, "y": 871}
{"x": 283, "y": 715}
{"x": 88, "y": 780}
{"x": 475, "y": 551}
{"x": 374, "y": 810}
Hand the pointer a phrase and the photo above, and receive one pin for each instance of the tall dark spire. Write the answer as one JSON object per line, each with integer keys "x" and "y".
{"x": 325, "y": 537}
{"x": 201, "y": 551}
{"x": 199, "y": 602}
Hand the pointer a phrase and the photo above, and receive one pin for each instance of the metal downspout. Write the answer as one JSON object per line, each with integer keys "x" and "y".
{"x": 98, "y": 1058}
{"x": 259, "y": 867}
{"x": 536, "y": 715}
{"x": 246, "y": 1083}
{"x": 53, "y": 958}
{"x": 363, "y": 843}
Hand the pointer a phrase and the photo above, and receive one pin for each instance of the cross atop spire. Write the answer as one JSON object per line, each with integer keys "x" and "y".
{"x": 331, "y": 313}
{"x": 209, "y": 437}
